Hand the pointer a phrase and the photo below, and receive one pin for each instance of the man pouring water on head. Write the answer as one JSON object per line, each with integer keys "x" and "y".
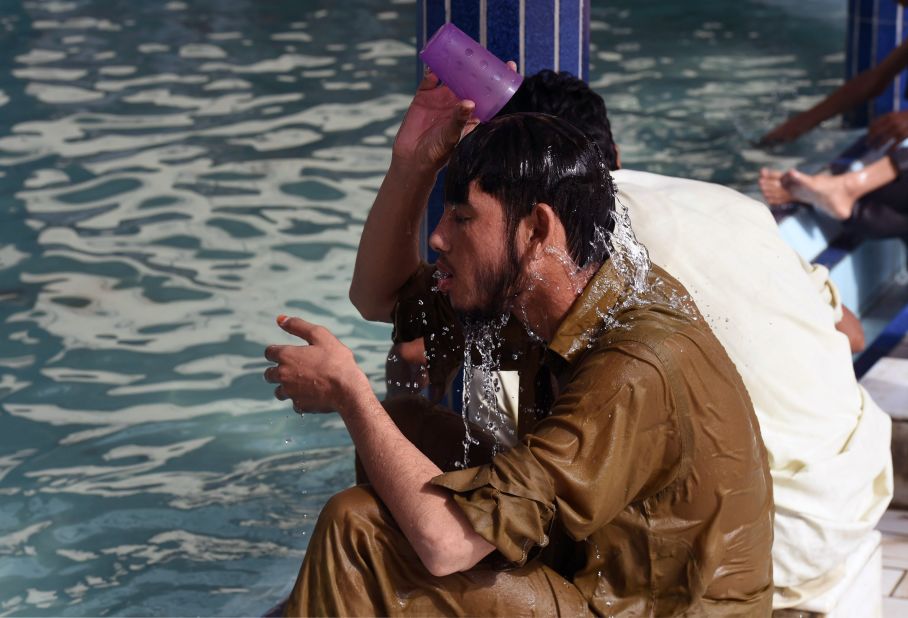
{"x": 641, "y": 488}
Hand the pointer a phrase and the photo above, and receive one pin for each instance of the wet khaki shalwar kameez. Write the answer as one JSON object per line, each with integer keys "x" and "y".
{"x": 645, "y": 492}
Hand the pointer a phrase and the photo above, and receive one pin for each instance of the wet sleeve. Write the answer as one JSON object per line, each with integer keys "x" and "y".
{"x": 423, "y": 312}
{"x": 612, "y": 438}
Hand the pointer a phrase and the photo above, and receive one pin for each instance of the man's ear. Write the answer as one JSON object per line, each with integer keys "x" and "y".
{"x": 542, "y": 227}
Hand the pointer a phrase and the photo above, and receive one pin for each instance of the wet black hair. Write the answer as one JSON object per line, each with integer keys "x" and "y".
{"x": 570, "y": 98}
{"x": 524, "y": 159}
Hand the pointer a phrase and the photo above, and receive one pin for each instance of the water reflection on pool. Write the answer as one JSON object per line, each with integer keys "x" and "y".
{"x": 173, "y": 175}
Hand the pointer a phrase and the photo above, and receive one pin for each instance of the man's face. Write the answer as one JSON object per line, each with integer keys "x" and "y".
{"x": 479, "y": 269}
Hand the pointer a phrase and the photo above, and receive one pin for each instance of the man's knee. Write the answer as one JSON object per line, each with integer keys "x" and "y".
{"x": 359, "y": 501}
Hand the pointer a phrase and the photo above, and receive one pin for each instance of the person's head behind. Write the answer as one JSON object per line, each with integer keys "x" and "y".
{"x": 569, "y": 98}
{"x": 521, "y": 161}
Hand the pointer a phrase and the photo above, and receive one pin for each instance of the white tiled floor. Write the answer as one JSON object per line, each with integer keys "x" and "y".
{"x": 894, "y": 527}
{"x": 886, "y": 382}
{"x": 887, "y": 385}
{"x": 894, "y": 607}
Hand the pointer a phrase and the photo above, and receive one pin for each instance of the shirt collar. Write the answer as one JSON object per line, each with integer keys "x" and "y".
{"x": 584, "y": 320}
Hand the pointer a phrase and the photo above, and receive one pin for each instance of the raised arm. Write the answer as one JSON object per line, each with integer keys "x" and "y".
{"x": 389, "y": 247}
{"x": 861, "y": 87}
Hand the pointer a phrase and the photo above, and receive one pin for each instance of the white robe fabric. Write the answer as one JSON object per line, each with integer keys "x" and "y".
{"x": 828, "y": 442}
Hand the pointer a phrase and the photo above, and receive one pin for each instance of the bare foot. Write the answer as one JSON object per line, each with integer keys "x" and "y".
{"x": 771, "y": 186}
{"x": 831, "y": 194}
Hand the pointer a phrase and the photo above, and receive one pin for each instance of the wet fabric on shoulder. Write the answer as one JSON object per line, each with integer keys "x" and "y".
{"x": 650, "y": 469}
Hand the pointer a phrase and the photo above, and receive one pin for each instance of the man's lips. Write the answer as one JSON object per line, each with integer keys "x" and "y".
{"x": 443, "y": 276}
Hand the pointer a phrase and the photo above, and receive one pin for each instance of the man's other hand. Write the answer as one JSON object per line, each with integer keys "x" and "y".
{"x": 891, "y": 126}
{"x": 319, "y": 377}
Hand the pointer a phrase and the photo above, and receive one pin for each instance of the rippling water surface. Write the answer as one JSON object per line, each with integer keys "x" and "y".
{"x": 175, "y": 174}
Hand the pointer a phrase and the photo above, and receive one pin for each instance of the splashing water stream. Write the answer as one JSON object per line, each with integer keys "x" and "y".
{"x": 485, "y": 338}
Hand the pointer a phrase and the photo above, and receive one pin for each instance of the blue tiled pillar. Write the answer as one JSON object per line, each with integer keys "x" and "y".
{"x": 875, "y": 28}
{"x": 536, "y": 34}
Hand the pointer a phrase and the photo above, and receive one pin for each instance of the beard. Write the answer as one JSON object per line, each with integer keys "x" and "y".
{"x": 496, "y": 288}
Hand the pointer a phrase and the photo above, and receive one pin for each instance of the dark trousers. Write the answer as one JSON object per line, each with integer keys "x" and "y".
{"x": 884, "y": 213}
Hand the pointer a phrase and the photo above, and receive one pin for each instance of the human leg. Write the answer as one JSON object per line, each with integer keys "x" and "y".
{"x": 835, "y": 195}
{"x": 360, "y": 563}
{"x": 883, "y": 213}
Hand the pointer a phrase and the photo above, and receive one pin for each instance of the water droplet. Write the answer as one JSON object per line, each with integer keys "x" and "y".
{"x": 468, "y": 51}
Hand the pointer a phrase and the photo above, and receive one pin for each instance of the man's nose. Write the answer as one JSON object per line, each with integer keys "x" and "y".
{"x": 438, "y": 239}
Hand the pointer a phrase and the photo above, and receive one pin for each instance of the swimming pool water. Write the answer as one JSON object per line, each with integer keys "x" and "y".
{"x": 173, "y": 175}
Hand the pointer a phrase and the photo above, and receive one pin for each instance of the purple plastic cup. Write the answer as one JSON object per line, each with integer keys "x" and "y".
{"x": 470, "y": 70}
